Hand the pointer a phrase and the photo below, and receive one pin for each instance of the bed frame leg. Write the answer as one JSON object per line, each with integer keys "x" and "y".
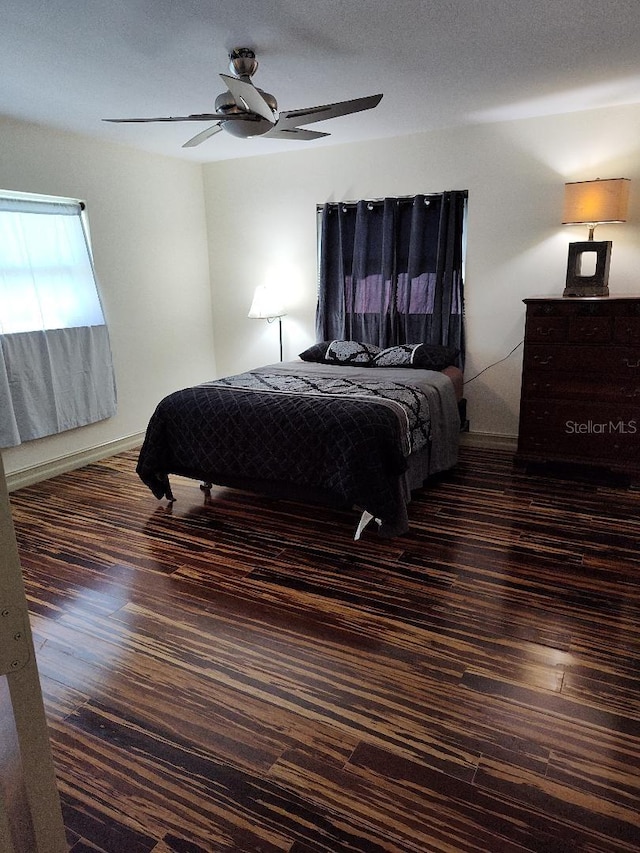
{"x": 365, "y": 518}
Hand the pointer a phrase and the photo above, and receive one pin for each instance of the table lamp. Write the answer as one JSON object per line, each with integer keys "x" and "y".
{"x": 592, "y": 203}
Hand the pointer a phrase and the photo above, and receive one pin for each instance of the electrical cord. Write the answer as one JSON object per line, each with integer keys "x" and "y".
{"x": 467, "y": 381}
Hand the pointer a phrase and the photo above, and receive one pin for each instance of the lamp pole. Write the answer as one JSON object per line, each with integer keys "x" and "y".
{"x": 267, "y": 306}
{"x": 279, "y": 319}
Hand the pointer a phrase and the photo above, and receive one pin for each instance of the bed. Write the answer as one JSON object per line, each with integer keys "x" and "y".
{"x": 350, "y": 435}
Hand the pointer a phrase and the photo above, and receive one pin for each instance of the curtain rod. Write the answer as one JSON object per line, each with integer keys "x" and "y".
{"x": 319, "y": 207}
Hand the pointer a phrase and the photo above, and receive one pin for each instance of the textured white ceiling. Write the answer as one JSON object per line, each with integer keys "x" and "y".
{"x": 439, "y": 63}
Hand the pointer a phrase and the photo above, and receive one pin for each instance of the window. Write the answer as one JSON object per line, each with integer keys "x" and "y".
{"x": 391, "y": 271}
{"x": 56, "y": 371}
{"x": 47, "y": 279}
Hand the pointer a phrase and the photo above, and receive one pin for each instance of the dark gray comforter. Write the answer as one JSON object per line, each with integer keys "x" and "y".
{"x": 340, "y": 435}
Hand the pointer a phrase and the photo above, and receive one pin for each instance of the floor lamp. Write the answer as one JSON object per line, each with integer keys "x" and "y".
{"x": 267, "y": 306}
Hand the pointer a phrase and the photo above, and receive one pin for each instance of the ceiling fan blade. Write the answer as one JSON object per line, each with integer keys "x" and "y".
{"x": 277, "y": 132}
{"x": 246, "y": 95}
{"x": 196, "y": 117}
{"x": 202, "y": 136}
{"x": 294, "y": 118}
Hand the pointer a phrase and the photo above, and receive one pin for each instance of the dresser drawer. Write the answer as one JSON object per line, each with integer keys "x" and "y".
{"x": 551, "y": 329}
{"x": 627, "y": 330}
{"x": 538, "y": 385}
{"x": 590, "y": 360}
{"x": 587, "y": 330}
{"x": 556, "y": 329}
{"x": 602, "y": 307}
{"x": 592, "y": 432}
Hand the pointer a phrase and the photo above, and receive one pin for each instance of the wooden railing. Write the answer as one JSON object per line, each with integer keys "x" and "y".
{"x": 30, "y": 814}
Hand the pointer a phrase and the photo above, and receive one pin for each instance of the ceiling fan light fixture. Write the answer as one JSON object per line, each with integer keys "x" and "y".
{"x": 248, "y": 128}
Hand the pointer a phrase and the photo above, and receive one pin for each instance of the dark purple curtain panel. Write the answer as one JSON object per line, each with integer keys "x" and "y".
{"x": 391, "y": 271}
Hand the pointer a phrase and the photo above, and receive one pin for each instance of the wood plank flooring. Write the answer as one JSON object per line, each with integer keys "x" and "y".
{"x": 237, "y": 674}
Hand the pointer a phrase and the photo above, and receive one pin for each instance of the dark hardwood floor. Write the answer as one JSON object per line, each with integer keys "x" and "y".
{"x": 239, "y": 675}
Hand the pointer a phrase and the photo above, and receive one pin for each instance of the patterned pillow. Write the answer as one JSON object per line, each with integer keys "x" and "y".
{"x": 425, "y": 356}
{"x": 350, "y": 352}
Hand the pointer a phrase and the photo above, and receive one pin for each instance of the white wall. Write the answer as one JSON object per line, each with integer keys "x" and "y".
{"x": 261, "y": 219}
{"x": 147, "y": 221}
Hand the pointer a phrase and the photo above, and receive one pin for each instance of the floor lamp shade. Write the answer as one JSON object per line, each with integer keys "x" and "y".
{"x": 592, "y": 203}
{"x": 266, "y": 305}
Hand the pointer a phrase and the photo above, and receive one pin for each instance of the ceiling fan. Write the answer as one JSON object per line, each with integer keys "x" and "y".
{"x": 245, "y": 111}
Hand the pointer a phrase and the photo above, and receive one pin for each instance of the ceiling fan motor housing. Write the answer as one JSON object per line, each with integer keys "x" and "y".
{"x": 254, "y": 125}
{"x": 225, "y": 102}
{"x": 243, "y": 64}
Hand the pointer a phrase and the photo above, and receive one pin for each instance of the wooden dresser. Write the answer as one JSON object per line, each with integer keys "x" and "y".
{"x": 581, "y": 383}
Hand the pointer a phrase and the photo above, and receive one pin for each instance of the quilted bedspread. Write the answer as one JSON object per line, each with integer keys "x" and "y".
{"x": 343, "y": 434}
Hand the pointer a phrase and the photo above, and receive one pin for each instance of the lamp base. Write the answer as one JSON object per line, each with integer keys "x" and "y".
{"x": 597, "y": 284}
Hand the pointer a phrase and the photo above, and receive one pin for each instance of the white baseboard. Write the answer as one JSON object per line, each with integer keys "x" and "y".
{"x": 47, "y": 470}
{"x": 487, "y": 439}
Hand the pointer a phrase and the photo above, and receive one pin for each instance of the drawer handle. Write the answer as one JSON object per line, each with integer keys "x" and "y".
{"x": 632, "y": 364}
{"x": 544, "y": 331}
{"x": 547, "y": 359}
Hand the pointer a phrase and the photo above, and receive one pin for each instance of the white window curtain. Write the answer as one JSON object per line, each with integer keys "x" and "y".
{"x": 56, "y": 370}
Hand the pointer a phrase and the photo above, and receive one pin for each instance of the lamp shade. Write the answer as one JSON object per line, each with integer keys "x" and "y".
{"x": 592, "y": 202}
{"x": 266, "y": 304}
